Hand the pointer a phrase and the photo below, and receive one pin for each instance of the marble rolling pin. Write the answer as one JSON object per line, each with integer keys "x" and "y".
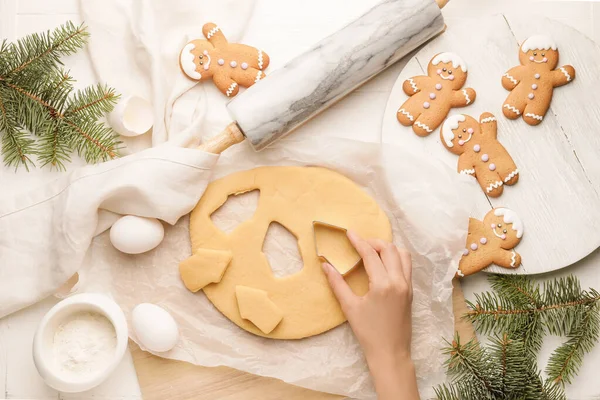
{"x": 338, "y": 64}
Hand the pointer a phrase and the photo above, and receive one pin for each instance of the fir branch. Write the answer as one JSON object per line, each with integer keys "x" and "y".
{"x": 565, "y": 362}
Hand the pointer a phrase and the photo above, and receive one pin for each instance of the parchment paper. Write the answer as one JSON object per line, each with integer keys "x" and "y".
{"x": 427, "y": 204}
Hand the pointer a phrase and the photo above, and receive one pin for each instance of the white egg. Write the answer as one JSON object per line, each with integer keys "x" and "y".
{"x": 135, "y": 235}
{"x": 154, "y": 327}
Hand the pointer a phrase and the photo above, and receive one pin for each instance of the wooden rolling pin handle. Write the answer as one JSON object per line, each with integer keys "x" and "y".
{"x": 230, "y": 136}
{"x": 441, "y": 3}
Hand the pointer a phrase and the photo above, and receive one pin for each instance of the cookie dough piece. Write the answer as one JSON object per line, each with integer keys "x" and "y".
{"x": 532, "y": 83}
{"x": 256, "y": 307}
{"x": 204, "y": 267}
{"x": 334, "y": 247}
{"x": 229, "y": 65}
{"x": 433, "y": 96}
{"x": 480, "y": 153}
{"x": 492, "y": 242}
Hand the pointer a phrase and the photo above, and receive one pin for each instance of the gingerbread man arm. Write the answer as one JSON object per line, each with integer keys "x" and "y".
{"x": 213, "y": 34}
{"x": 466, "y": 166}
{"x": 488, "y": 125}
{"x": 563, "y": 75}
{"x": 226, "y": 84}
{"x": 507, "y": 259}
{"x": 511, "y": 79}
{"x": 414, "y": 85}
{"x": 463, "y": 97}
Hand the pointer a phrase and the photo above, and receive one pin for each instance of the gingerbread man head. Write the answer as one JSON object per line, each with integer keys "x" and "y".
{"x": 457, "y": 132}
{"x": 448, "y": 67}
{"x": 539, "y": 49}
{"x": 196, "y": 60}
{"x": 506, "y": 225}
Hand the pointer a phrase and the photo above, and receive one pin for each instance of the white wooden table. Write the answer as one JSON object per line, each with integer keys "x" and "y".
{"x": 359, "y": 117}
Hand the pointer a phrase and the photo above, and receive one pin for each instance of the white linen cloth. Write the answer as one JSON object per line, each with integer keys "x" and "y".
{"x": 45, "y": 233}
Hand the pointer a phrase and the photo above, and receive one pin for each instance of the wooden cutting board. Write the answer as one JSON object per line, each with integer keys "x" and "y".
{"x": 161, "y": 379}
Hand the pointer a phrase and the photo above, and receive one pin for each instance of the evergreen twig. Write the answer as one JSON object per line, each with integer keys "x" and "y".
{"x": 517, "y": 314}
{"x": 37, "y": 100}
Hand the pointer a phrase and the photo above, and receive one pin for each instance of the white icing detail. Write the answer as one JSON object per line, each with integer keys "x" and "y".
{"x": 413, "y": 85}
{"x": 510, "y": 217}
{"x": 450, "y": 57}
{"x": 260, "y": 59}
{"x": 467, "y": 172}
{"x": 231, "y": 89}
{"x": 403, "y": 111}
{"x": 422, "y": 125}
{"x": 187, "y": 62}
{"x": 207, "y": 65}
{"x": 212, "y": 32}
{"x": 449, "y": 124}
{"x": 448, "y": 77}
{"x": 466, "y": 96}
{"x": 258, "y": 75}
{"x": 534, "y": 116}
{"x": 511, "y": 78}
{"x": 488, "y": 119}
{"x": 513, "y": 109}
{"x": 493, "y": 186}
{"x": 511, "y": 175}
{"x": 539, "y": 62}
{"x": 459, "y": 272}
{"x": 564, "y": 71}
{"x": 538, "y": 42}
{"x": 513, "y": 259}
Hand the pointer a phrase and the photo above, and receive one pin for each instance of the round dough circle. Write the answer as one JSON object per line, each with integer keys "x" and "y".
{"x": 293, "y": 197}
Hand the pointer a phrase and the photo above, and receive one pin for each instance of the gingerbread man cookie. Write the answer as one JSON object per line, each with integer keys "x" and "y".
{"x": 532, "y": 83}
{"x": 229, "y": 65}
{"x": 480, "y": 153}
{"x": 432, "y": 96}
{"x": 492, "y": 242}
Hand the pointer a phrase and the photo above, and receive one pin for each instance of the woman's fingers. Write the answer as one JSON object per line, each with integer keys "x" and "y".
{"x": 340, "y": 288}
{"x": 406, "y": 260}
{"x": 391, "y": 259}
{"x": 370, "y": 257}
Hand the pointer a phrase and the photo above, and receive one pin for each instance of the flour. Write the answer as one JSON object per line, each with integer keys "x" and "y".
{"x": 84, "y": 344}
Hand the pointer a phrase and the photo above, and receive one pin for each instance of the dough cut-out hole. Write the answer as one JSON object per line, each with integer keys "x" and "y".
{"x": 281, "y": 249}
{"x": 333, "y": 245}
{"x": 236, "y": 209}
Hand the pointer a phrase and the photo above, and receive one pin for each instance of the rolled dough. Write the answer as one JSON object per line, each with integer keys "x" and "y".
{"x": 333, "y": 245}
{"x": 293, "y": 197}
{"x": 256, "y": 307}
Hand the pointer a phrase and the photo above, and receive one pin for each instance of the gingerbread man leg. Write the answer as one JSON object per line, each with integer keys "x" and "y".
{"x": 535, "y": 111}
{"x": 428, "y": 121}
{"x": 507, "y": 259}
{"x": 508, "y": 171}
{"x": 514, "y": 105}
{"x": 409, "y": 112}
{"x": 226, "y": 84}
{"x": 473, "y": 262}
{"x": 490, "y": 182}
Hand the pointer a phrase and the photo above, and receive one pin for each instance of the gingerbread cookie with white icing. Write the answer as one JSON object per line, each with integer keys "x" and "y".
{"x": 532, "y": 83}
{"x": 480, "y": 153}
{"x": 432, "y": 96}
{"x": 229, "y": 65}
{"x": 492, "y": 241}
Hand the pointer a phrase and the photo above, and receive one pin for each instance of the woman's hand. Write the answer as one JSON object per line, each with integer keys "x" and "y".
{"x": 381, "y": 320}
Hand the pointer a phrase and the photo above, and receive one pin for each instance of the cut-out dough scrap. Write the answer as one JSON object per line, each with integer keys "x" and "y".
{"x": 204, "y": 267}
{"x": 256, "y": 307}
{"x": 333, "y": 245}
{"x": 293, "y": 197}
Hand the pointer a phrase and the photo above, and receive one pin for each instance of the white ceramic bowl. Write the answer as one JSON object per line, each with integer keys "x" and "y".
{"x": 42, "y": 341}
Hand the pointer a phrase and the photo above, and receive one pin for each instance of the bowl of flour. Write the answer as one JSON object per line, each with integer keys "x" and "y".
{"x": 80, "y": 342}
